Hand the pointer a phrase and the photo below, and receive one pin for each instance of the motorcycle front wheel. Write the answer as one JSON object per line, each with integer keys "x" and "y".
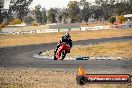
{"x": 63, "y": 54}
{"x": 55, "y": 57}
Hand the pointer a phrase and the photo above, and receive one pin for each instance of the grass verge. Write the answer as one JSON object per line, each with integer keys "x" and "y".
{"x": 112, "y": 49}
{"x": 26, "y": 39}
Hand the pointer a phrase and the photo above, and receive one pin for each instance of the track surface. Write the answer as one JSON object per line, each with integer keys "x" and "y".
{"x": 22, "y": 57}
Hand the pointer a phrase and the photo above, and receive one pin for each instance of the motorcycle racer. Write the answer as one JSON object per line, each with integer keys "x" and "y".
{"x": 67, "y": 39}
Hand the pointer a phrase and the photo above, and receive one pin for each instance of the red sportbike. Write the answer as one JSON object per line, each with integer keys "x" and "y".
{"x": 62, "y": 51}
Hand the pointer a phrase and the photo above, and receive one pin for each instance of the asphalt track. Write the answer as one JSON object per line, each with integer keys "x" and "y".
{"x": 22, "y": 57}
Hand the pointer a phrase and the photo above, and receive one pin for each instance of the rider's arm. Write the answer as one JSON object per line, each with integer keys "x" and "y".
{"x": 70, "y": 43}
{"x": 61, "y": 40}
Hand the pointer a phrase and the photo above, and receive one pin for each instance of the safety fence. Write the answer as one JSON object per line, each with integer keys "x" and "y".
{"x": 41, "y": 31}
{"x": 64, "y": 29}
{"x": 94, "y": 28}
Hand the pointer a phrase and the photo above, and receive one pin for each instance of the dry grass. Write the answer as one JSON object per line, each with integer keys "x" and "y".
{"x": 113, "y": 49}
{"x": 25, "y": 39}
{"x": 41, "y": 78}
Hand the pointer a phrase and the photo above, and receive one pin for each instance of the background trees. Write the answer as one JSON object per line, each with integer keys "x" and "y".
{"x": 86, "y": 12}
{"x": 74, "y": 11}
{"x": 44, "y": 17}
{"x": 38, "y": 14}
{"x": 64, "y": 15}
{"x": 19, "y": 7}
{"x": 52, "y": 15}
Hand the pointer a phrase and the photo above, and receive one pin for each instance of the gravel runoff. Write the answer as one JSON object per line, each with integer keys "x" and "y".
{"x": 42, "y": 78}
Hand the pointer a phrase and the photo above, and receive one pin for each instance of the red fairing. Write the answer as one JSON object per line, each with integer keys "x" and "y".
{"x": 62, "y": 47}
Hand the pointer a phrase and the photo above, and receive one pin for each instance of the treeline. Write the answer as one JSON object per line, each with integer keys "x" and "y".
{"x": 75, "y": 12}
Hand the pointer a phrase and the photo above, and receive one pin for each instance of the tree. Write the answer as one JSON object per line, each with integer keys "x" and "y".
{"x": 38, "y": 14}
{"x": 58, "y": 14}
{"x": 1, "y": 6}
{"x": 74, "y": 11}
{"x": 60, "y": 18}
{"x": 86, "y": 12}
{"x": 105, "y": 8}
{"x": 19, "y": 7}
{"x": 112, "y": 19}
{"x": 130, "y": 8}
{"x": 98, "y": 13}
{"x": 44, "y": 17}
{"x": 112, "y": 2}
{"x": 82, "y": 3}
{"x": 127, "y": 8}
{"x": 52, "y": 15}
{"x": 64, "y": 15}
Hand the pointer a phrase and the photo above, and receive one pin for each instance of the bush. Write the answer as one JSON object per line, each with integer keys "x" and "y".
{"x": 120, "y": 19}
{"x": 28, "y": 19}
{"x": 112, "y": 19}
{"x": 1, "y": 26}
{"x": 34, "y": 23}
{"x": 15, "y": 21}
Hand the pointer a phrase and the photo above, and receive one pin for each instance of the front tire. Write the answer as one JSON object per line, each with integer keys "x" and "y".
{"x": 63, "y": 54}
{"x": 55, "y": 57}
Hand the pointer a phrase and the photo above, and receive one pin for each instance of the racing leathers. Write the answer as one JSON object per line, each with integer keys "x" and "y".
{"x": 68, "y": 41}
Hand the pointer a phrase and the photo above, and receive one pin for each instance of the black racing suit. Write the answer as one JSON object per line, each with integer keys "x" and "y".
{"x": 66, "y": 40}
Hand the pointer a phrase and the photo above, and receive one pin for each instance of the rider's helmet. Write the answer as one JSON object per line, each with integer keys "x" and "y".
{"x": 67, "y": 35}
